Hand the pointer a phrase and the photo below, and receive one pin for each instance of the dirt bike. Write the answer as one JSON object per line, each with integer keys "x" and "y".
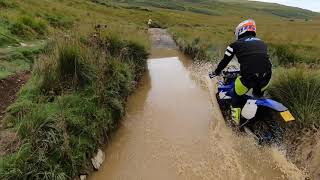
{"x": 261, "y": 117}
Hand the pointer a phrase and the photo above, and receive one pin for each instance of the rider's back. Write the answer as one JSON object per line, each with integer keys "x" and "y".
{"x": 252, "y": 55}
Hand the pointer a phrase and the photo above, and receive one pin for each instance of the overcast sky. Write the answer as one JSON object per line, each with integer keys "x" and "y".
{"x": 313, "y": 5}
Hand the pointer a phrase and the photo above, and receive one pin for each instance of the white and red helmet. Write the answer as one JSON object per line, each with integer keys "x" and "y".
{"x": 246, "y": 26}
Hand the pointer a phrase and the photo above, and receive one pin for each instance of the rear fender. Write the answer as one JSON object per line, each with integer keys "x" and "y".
{"x": 269, "y": 103}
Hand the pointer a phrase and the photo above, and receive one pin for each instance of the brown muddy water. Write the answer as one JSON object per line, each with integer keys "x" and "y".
{"x": 173, "y": 130}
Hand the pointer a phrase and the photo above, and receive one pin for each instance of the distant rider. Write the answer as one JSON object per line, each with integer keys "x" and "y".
{"x": 255, "y": 65}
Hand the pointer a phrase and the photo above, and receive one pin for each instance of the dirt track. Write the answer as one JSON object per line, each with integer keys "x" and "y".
{"x": 9, "y": 88}
{"x": 171, "y": 130}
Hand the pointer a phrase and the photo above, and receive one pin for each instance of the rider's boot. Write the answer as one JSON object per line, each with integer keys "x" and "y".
{"x": 236, "y": 115}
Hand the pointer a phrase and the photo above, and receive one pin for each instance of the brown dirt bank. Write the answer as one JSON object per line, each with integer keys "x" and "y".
{"x": 9, "y": 88}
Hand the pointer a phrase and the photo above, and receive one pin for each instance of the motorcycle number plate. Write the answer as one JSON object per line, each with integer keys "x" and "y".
{"x": 287, "y": 116}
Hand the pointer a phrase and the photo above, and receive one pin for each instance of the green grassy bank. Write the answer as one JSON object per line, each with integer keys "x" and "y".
{"x": 74, "y": 100}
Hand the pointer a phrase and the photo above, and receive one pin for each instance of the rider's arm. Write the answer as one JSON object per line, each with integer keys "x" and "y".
{"x": 228, "y": 55}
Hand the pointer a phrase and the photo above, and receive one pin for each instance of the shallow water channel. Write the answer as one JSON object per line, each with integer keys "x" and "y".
{"x": 173, "y": 131}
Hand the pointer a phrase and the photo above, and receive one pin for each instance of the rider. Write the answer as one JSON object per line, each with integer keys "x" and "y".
{"x": 255, "y": 65}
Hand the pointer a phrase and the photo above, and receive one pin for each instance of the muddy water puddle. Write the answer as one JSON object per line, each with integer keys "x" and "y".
{"x": 172, "y": 131}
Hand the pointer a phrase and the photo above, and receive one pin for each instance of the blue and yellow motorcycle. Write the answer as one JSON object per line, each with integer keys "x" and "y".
{"x": 261, "y": 117}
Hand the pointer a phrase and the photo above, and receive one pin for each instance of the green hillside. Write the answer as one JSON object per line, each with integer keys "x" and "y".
{"x": 215, "y": 21}
{"x": 222, "y": 7}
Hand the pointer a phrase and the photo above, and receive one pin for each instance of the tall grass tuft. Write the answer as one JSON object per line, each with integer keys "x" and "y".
{"x": 73, "y": 64}
{"x": 298, "y": 89}
{"x": 68, "y": 64}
